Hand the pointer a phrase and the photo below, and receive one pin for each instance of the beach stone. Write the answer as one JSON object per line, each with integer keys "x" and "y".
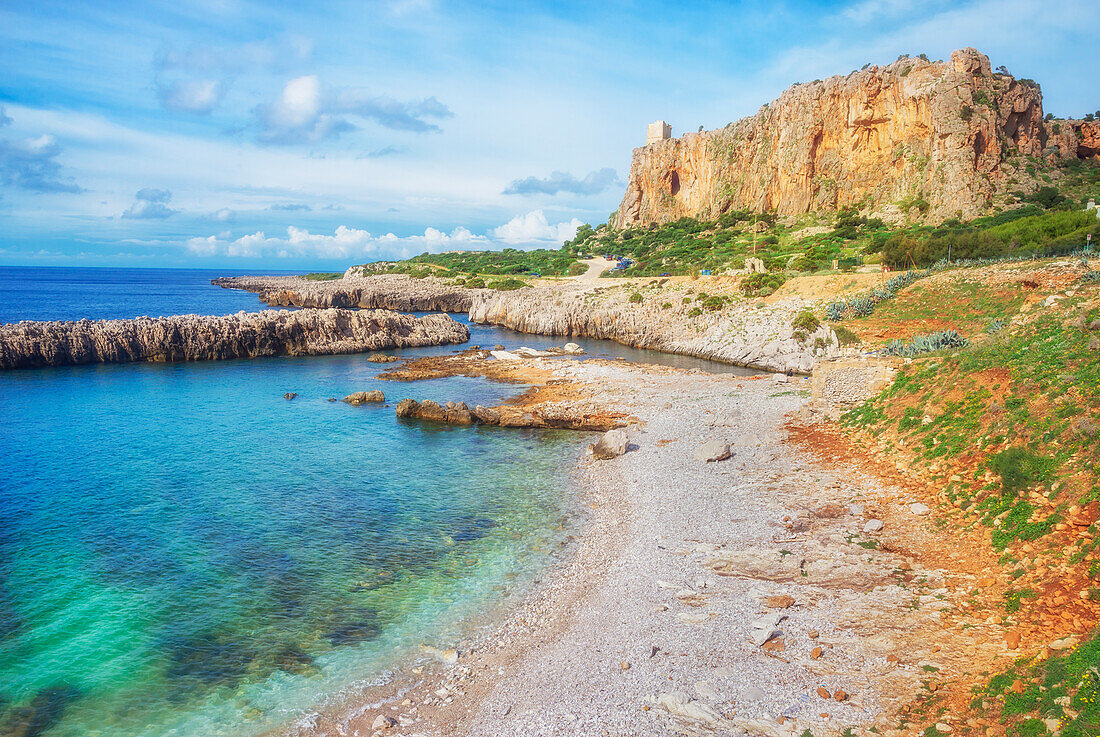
{"x": 383, "y": 721}
{"x": 290, "y": 395}
{"x": 856, "y": 510}
{"x": 752, "y": 693}
{"x": 681, "y": 705}
{"x": 1065, "y": 643}
{"x": 713, "y": 451}
{"x": 504, "y": 355}
{"x": 780, "y": 378}
{"x": 782, "y": 601}
{"x": 573, "y": 348}
{"x": 873, "y": 525}
{"x": 359, "y": 398}
{"x": 919, "y": 509}
{"x": 612, "y": 444}
{"x": 447, "y": 657}
{"x": 498, "y": 347}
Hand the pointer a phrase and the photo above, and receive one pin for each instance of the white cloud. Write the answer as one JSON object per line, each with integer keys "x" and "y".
{"x": 533, "y": 228}
{"x": 150, "y": 203}
{"x": 306, "y": 112}
{"x": 347, "y": 243}
{"x": 198, "y": 96}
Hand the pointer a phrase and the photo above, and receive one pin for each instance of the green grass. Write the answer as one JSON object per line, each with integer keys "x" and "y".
{"x": 1064, "y": 688}
{"x": 323, "y": 275}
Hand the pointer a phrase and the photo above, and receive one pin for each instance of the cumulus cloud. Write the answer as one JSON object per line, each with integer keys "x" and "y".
{"x": 560, "y": 181}
{"x": 150, "y": 203}
{"x": 195, "y": 80}
{"x": 306, "y": 112}
{"x": 533, "y": 228}
{"x": 344, "y": 243}
{"x": 32, "y": 163}
{"x": 224, "y": 215}
{"x": 198, "y": 96}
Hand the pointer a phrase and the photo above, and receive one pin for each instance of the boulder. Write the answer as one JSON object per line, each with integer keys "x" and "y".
{"x": 408, "y": 408}
{"x": 919, "y": 509}
{"x": 290, "y": 395}
{"x": 873, "y": 525}
{"x": 504, "y": 355}
{"x": 780, "y": 378}
{"x": 429, "y": 410}
{"x": 573, "y": 348}
{"x": 713, "y": 451}
{"x": 487, "y": 415}
{"x": 359, "y": 398}
{"x": 613, "y": 443}
{"x": 382, "y": 358}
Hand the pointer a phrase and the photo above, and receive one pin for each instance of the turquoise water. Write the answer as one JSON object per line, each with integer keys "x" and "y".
{"x": 183, "y": 551}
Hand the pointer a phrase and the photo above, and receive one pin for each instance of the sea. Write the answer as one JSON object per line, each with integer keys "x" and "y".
{"x": 185, "y": 552}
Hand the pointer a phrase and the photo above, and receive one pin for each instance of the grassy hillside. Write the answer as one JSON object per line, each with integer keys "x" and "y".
{"x": 1006, "y": 428}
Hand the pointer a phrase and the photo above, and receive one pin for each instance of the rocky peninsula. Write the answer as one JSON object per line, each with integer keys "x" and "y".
{"x": 378, "y": 292}
{"x": 204, "y": 338}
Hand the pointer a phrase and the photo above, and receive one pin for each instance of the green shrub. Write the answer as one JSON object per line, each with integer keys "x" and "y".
{"x": 635, "y": 298}
{"x": 322, "y": 275}
{"x": 757, "y": 285}
{"x": 805, "y": 321}
{"x": 507, "y": 285}
{"x": 1019, "y": 469}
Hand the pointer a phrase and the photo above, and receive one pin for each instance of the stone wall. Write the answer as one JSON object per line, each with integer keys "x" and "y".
{"x": 838, "y": 384}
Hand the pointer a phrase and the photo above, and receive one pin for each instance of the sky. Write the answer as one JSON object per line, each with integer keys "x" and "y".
{"x": 237, "y": 133}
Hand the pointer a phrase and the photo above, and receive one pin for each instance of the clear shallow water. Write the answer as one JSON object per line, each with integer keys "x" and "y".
{"x": 184, "y": 552}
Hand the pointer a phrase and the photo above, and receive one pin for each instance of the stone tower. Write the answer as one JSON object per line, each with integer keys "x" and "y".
{"x": 658, "y": 131}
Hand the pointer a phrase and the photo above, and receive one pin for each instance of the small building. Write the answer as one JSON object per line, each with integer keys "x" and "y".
{"x": 659, "y": 131}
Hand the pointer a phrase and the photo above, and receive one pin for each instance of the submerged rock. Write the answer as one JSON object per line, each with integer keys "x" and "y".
{"x": 359, "y": 398}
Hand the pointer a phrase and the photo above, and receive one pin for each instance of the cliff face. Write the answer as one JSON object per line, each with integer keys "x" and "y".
{"x": 743, "y": 335}
{"x": 950, "y": 134}
{"x": 385, "y": 291}
{"x": 199, "y": 338}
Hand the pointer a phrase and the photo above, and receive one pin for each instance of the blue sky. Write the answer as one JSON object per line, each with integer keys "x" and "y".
{"x": 271, "y": 134}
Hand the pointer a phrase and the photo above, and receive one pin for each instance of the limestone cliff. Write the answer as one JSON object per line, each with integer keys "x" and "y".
{"x": 935, "y": 139}
{"x": 244, "y": 335}
{"x": 384, "y": 291}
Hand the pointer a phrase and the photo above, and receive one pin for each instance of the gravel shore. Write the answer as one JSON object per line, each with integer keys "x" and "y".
{"x": 729, "y": 597}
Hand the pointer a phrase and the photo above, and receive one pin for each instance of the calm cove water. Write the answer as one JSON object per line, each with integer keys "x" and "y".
{"x": 185, "y": 552}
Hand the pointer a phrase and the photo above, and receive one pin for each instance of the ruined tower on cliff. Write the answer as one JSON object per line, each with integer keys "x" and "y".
{"x": 659, "y": 131}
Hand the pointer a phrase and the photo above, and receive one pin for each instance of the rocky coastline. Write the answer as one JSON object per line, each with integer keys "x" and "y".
{"x": 744, "y": 334}
{"x": 203, "y": 338}
{"x": 381, "y": 292}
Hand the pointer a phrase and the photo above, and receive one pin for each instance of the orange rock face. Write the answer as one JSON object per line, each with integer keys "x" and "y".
{"x": 917, "y": 138}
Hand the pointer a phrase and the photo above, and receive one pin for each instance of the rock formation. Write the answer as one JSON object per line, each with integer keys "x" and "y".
{"x": 915, "y": 138}
{"x": 742, "y": 334}
{"x": 243, "y": 335}
{"x": 549, "y": 416}
{"x": 384, "y": 291}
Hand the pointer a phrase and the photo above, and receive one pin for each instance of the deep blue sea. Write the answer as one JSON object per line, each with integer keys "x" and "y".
{"x": 185, "y": 552}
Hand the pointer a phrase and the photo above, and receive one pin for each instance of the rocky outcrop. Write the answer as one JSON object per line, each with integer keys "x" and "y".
{"x": 200, "y": 338}
{"x": 916, "y": 138}
{"x": 1076, "y": 139}
{"x": 742, "y": 334}
{"x": 547, "y": 416}
{"x": 383, "y": 291}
